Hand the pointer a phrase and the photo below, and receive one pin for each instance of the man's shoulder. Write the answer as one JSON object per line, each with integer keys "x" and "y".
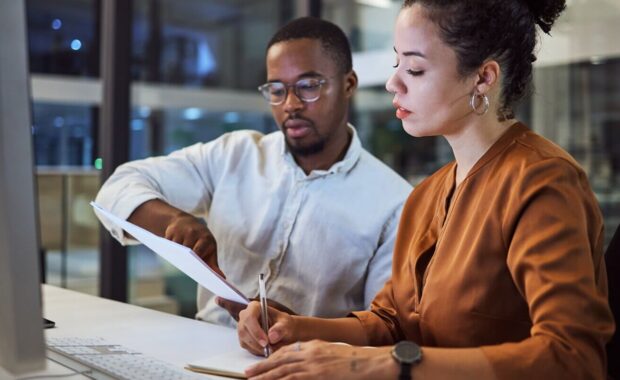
{"x": 246, "y": 139}
{"x": 381, "y": 174}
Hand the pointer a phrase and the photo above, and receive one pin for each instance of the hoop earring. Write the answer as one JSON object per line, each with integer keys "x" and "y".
{"x": 485, "y": 103}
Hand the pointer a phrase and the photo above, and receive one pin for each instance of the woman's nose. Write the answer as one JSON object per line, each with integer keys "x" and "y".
{"x": 394, "y": 85}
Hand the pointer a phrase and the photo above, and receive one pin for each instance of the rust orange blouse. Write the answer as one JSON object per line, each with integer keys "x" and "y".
{"x": 510, "y": 261}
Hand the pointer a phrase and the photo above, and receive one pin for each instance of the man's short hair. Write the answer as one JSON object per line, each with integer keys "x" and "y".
{"x": 332, "y": 38}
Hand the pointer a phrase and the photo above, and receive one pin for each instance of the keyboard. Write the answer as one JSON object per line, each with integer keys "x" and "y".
{"x": 98, "y": 359}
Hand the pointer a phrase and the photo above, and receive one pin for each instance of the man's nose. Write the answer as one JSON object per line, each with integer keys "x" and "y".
{"x": 292, "y": 103}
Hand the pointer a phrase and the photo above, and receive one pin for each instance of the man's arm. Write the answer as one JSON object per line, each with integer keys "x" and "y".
{"x": 380, "y": 266}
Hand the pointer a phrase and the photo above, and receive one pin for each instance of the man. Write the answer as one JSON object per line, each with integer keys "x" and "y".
{"x": 306, "y": 205}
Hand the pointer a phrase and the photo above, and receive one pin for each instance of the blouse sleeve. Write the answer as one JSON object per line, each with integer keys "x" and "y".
{"x": 554, "y": 236}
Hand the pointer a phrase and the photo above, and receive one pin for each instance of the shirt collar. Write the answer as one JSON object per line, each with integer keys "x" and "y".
{"x": 343, "y": 166}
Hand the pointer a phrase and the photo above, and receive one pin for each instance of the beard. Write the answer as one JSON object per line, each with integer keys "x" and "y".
{"x": 300, "y": 149}
{"x": 306, "y": 150}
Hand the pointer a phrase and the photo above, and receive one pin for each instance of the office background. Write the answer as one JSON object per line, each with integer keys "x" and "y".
{"x": 193, "y": 68}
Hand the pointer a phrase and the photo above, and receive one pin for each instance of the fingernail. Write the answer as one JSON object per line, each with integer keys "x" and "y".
{"x": 262, "y": 342}
{"x": 274, "y": 336}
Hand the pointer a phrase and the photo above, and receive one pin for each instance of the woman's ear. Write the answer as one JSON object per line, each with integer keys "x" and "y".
{"x": 350, "y": 83}
{"x": 488, "y": 77}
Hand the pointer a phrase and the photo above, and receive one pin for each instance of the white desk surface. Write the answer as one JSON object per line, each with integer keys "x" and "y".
{"x": 176, "y": 340}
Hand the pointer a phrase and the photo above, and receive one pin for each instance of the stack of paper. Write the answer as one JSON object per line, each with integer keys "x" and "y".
{"x": 181, "y": 257}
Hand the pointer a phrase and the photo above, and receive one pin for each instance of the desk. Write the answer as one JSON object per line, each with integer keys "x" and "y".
{"x": 176, "y": 340}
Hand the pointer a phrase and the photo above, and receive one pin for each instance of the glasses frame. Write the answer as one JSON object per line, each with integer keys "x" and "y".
{"x": 295, "y": 87}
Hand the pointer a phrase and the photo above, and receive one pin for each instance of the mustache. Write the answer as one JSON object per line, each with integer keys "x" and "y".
{"x": 297, "y": 118}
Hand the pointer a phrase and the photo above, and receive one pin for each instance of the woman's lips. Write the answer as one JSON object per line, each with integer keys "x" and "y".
{"x": 402, "y": 113}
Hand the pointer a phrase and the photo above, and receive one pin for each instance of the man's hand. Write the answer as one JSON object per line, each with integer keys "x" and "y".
{"x": 187, "y": 230}
{"x": 234, "y": 308}
{"x": 251, "y": 334}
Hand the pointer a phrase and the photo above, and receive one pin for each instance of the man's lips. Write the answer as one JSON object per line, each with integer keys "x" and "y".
{"x": 297, "y": 128}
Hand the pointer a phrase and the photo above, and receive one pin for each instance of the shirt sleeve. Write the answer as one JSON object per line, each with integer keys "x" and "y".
{"x": 381, "y": 323}
{"x": 183, "y": 179}
{"x": 554, "y": 238}
{"x": 380, "y": 266}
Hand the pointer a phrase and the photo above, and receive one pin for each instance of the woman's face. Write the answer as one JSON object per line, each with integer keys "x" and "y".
{"x": 429, "y": 95}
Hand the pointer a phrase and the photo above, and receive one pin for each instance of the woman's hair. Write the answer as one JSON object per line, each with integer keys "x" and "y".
{"x": 503, "y": 30}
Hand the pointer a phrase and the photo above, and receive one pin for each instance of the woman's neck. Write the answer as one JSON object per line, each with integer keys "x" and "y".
{"x": 470, "y": 143}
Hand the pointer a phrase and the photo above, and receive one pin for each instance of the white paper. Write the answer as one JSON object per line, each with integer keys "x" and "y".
{"x": 227, "y": 364}
{"x": 181, "y": 257}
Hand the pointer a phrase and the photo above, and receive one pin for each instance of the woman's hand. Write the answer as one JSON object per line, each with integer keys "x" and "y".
{"x": 251, "y": 334}
{"x": 322, "y": 360}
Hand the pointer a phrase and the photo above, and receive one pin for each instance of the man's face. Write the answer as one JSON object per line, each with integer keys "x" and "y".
{"x": 310, "y": 128}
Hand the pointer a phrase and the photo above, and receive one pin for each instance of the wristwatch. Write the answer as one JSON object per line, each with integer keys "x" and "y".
{"x": 407, "y": 354}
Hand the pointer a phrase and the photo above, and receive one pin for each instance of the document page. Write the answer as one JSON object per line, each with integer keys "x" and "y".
{"x": 183, "y": 258}
{"x": 229, "y": 364}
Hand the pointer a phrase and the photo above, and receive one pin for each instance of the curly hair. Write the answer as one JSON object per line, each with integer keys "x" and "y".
{"x": 503, "y": 30}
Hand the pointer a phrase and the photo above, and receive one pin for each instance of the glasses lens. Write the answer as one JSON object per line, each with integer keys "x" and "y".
{"x": 274, "y": 92}
{"x": 308, "y": 90}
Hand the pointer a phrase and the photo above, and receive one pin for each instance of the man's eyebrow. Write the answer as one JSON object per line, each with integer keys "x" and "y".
{"x": 411, "y": 53}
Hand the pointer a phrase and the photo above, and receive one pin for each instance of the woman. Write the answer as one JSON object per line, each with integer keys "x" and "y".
{"x": 498, "y": 269}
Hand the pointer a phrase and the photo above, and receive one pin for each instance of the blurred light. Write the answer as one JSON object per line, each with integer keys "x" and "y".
{"x": 76, "y": 44}
{"x": 56, "y": 24}
{"x": 98, "y": 163}
{"x": 59, "y": 121}
{"x": 231, "y": 117}
{"x": 192, "y": 114}
{"x": 597, "y": 60}
{"x": 144, "y": 112}
{"x": 137, "y": 125}
{"x": 205, "y": 61}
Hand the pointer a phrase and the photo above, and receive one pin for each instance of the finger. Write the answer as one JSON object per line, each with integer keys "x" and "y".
{"x": 277, "y": 332}
{"x": 249, "y": 344}
{"x": 207, "y": 253}
{"x": 276, "y": 367}
{"x": 248, "y": 323}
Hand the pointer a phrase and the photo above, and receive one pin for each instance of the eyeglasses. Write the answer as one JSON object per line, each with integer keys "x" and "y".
{"x": 308, "y": 90}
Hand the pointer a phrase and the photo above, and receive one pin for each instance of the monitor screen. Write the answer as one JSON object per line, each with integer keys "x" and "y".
{"x": 21, "y": 328}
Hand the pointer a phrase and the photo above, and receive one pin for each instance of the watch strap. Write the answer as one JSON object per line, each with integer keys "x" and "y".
{"x": 405, "y": 371}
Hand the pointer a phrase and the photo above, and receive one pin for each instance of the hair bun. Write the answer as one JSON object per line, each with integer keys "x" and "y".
{"x": 546, "y": 12}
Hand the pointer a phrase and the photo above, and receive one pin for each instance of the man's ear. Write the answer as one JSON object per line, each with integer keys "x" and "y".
{"x": 488, "y": 77}
{"x": 350, "y": 83}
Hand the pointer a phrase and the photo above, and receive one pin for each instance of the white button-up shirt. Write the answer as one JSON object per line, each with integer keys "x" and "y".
{"x": 324, "y": 240}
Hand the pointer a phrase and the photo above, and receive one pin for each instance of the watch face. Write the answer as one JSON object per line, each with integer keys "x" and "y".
{"x": 407, "y": 352}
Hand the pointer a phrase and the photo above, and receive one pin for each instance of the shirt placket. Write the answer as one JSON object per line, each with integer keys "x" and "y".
{"x": 288, "y": 220}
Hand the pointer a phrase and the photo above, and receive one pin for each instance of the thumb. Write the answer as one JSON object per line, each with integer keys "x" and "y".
{"x": 277, "y": 332}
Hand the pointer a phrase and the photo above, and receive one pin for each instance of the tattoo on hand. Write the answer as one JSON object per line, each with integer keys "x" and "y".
{"x": 354, "y": 362}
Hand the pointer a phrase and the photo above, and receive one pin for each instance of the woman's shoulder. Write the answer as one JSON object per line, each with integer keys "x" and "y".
{"x": 531, "y": 151}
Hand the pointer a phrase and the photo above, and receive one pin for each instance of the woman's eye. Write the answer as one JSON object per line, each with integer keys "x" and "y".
{"x": 415, "y": 73}
{"x": 395, "y": 65}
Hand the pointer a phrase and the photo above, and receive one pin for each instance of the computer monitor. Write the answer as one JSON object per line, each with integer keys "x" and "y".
{"x": 21, "y": 329}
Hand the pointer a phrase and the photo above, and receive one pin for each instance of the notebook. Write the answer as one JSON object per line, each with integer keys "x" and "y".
{"x": 230, "y": 364}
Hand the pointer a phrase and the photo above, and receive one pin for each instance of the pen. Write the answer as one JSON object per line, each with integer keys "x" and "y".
{"x": 262, "y": 295}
